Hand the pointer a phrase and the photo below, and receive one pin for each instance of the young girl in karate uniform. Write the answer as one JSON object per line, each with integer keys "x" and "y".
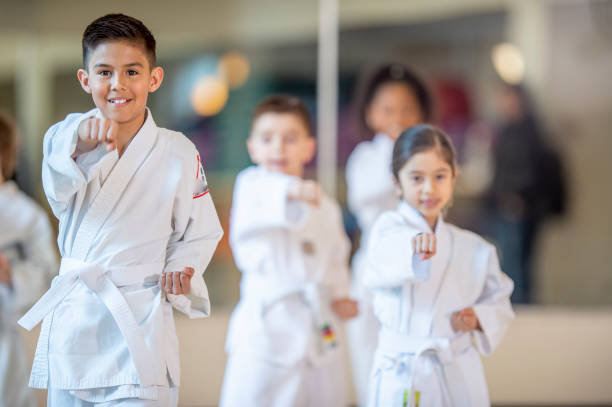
{"x": 288, "y": 241}
{"x": 393, "y": 100}
{"x": 438, "y": 290}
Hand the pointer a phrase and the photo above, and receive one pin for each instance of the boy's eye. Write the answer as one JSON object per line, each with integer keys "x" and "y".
{"x": 104, "y": 73}
{"x": 416, "y": 178}
{"x": 441, "y": 176}
{"x": 132, "y": 72}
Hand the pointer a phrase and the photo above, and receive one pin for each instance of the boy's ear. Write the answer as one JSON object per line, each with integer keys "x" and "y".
{"x": 157, "y": 77}
{"x": 249, "y": 145}
{"x": 310, "y": 150}
{"x": 84, "y": 80}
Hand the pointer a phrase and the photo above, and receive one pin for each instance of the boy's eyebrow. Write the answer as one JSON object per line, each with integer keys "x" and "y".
{"x": 441, "y": 169}
{"x": 103, "y": 65}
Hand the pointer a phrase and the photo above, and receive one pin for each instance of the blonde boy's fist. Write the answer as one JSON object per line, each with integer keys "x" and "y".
{"x": 425, "y": 244}
{"x": 5, "y": 270}
{"x": 305, "y": 190}
{"x": 95, "y": 130}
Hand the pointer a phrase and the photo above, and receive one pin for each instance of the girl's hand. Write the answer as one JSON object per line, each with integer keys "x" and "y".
{"x": 177, "y": 282}
{"x": 424, "y": 243}
{"x": 345, "y": 308}
{"x": 95, "y": 130}
{"x": 465, "y": 320}
{"x": 305, "y": 190}
{"x": 5, "y": 270}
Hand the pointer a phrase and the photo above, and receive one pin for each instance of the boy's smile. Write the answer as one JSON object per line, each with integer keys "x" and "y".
{"x": 119, "y": 79}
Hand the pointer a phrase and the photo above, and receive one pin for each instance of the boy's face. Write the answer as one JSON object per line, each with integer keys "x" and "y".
{"x": 119, "y": 78}
{"x": 281, "y": 143}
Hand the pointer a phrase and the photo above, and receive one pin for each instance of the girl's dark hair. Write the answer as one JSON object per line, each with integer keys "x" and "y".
{"x": 283, "y": 104}
{"x": 8, "y": 146}
{"x": 394, "y": 73}
{"x": 117, "y": 27}
{"x": 418, "y": 139}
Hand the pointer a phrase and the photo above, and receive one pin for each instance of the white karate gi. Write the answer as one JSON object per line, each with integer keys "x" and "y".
{"x": 108, "y": 333}
{"x": 370, "y": 192}
{"x": 26, "y": 240}
{"x": 294, "y": 261}
{"x": 414, "y": 300}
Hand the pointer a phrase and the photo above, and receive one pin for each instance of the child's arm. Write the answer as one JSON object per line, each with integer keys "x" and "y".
{"x": 265, "y": 201}
{"x": 195, "y": 236}
{"x": 63, "y": 175}
{"x": 337, "y": 273}
{"x": 493, "y": 309}
{"x": 397, "y": 253}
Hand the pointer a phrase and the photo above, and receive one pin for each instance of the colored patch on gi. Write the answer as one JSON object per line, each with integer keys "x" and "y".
{"x": 201, "y": 187}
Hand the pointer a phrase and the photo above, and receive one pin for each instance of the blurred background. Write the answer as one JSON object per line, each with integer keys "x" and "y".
{"x": 485, "y": 61}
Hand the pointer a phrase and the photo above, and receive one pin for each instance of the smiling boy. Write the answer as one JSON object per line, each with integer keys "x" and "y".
{"x": 137, "y": 228}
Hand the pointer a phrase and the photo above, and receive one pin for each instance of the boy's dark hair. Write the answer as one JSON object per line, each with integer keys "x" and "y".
{"x": 393, "y": 73}
{"x": 283, "y": 104}
{"x": 418, "y": 139}
{"x": 8, "y": 146}
{"x": 117, "y": 27}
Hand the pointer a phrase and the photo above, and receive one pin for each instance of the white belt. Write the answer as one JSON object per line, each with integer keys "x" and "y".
{"x": 403, "y": 351}
{"x": 104, "y": 283}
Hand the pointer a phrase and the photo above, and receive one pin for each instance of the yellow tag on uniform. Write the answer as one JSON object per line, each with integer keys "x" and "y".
{"x": 308, "y": 247}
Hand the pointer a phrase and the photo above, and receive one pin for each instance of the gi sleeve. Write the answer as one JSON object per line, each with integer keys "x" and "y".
{"x": 493, "y": 307}
{"x": 62, "y": 175}
{"x": 337, "y": 275}
{"x": 194, "y": 239}
{"x": 390, "y": 258}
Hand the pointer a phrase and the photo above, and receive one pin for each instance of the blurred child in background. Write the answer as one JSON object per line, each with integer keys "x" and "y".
{"x": 394, "y": 98}
{"x": 289, "y": 243}
{"x": 28, "y": 262}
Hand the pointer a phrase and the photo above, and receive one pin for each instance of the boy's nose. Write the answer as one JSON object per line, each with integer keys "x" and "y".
{"x": 117, "y": 82}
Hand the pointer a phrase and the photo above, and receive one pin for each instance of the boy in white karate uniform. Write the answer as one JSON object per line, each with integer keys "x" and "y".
{"x": 137, "y": 228}
{"x": 438, "y": 291}
{"x": 289, "y": 243}
{"x": 28, "y": 261}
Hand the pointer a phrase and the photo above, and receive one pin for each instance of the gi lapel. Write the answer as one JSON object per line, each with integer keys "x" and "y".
{"x": 113, "y": 187}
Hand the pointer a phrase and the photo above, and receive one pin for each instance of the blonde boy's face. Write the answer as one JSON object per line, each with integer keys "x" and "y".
{"x": 280, "y": 142}
{"x": 426, "y": 182}
{"x": 119, "y": 78}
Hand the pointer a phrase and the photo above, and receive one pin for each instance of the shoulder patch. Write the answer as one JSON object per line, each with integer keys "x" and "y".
{"x": 201, "y": 186}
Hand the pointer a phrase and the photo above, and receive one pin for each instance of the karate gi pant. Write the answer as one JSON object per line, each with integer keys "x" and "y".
{"x": 167, "y": 397}
{"x": 250, "y": 381}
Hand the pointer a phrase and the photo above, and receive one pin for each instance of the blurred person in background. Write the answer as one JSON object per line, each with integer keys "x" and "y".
{"x": 289, "y": 243}
{"x": 528, "y": 186}
{"x": 28, "y": 261}
{"x": 392, "y": 99}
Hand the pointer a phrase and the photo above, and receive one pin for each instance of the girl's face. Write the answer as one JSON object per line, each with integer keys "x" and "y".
{"x": 426, "y": 183}
{"x": 281, "y": 143}
{"x": 393, "y": 109}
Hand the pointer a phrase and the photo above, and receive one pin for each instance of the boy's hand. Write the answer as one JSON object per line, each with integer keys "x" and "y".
{"x": 95, "y": 130}
{"x": 424, "y": 243}
{"x": 345, "y": 308}
{"x": 177, "y": 282}
{"x": 5, "y": 270}
{"x": 305, "y": 190}
{"x": 465, "y": 320}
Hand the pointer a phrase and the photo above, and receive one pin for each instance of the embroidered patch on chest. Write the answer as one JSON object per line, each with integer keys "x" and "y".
{"x": 201, "y": 187}
{"x": 308, "y": 247}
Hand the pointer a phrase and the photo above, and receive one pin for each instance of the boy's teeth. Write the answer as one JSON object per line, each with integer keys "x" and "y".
{"x": 118, "y": 100}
